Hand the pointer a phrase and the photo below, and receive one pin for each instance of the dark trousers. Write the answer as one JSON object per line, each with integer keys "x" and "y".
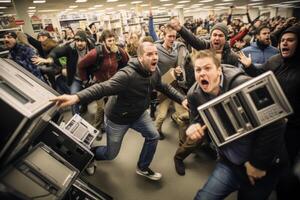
{"x": 289, "y": 184}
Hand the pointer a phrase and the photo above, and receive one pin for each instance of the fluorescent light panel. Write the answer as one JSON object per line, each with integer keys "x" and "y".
{"x": 206, "y": 1}
{"x": 168, "y": 4}
{"x": 183, "y": 1}
{"x": 39, "y": 1}
{"x": 136, "y": 2}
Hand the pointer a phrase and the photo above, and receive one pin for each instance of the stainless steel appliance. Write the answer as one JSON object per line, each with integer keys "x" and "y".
{"x": 80, "y": 129}
{"x": 25, "y": 108}
{"x": 244, "y": 109}
{"x": 40, "y": 174}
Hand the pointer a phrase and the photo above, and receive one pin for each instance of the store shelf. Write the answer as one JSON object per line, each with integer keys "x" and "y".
{"x": 11, "y": 29}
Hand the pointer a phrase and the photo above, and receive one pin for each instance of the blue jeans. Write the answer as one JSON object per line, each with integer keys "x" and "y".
{"x": 115, "y": 134}
{"x": 227, "y": 178}
{"x": 74, "y": 88}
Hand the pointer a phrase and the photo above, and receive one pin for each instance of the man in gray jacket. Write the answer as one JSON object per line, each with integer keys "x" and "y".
{"x": 129, "y": 90}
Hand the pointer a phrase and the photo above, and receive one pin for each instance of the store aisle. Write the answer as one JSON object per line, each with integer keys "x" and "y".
{"x": 118, "y": 177}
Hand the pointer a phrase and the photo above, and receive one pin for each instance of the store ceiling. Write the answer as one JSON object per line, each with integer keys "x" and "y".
{"x": 105, "y": 6}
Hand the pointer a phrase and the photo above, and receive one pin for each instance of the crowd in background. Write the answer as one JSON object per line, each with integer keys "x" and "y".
{"x": 77, "y": 59}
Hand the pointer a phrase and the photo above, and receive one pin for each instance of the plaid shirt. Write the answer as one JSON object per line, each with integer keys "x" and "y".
{"x": 22, "y": 55}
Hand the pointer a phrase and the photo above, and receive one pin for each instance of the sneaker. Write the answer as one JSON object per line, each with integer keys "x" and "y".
{"x": 149, "y": 174}
{"x": 91, "y": 168}
{"x": 161, "y": 135}
{"x": 179, "y": 166}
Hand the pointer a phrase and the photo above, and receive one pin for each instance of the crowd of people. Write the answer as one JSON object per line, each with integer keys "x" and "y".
{"x": 136, "y": 77}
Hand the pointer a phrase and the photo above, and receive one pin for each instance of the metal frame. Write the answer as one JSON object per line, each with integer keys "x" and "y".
{"x": 245, "y": 114}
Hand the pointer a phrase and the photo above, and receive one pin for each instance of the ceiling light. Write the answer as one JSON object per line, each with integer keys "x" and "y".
{"x": 5, "y": 1}
{"x": 196, "y": 5}
{"x": 183, "y": 1}
{"x": 44, "y": 11}
{"x": 206, "y": 1}
{"x": 296, "y": 1}
{"x": 256, "y": 0}
{"x": 168, "y": 4}
{"x": 136, "y": 2}
{"x": 254, "y": 4}
{"x": 3, "y": 7}
{"x": 98, "y": 6}
{"x": 73, "y": 6}
{"x": 164, "y": 0}
{"x": 39, "y": 1}
{"x": 80, "y": 1}
{"x": 92, "y": 8}
{"x": 112, "y": 0}
{"x": 32, "y": 7}
{"x": 144, "y": 5}
{"x": 122, "y": 5}
{"x": 82, "y": 10}
{"x": 233, "y": 0}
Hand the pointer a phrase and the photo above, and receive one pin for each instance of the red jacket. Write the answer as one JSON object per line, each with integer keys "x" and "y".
{"x": 109, "y": 65}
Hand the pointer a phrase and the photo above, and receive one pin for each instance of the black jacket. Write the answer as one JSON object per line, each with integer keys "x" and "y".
{"x": 228, "y": 56}
{"x": 287, "y": 73}
{"x": 130, "y": 89}
{"x": 264, "y": 147}
{"x": 69, "y": 51}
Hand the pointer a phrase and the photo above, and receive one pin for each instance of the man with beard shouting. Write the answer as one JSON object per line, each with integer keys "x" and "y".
{"x": 129, "y": 90}
{"x": 217, "y": 43}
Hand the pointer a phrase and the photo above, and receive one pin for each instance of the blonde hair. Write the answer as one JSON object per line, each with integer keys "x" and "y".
{"x": 206, "y": 54}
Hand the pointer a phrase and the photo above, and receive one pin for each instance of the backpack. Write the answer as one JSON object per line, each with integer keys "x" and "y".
{"x": 99, "y": 59}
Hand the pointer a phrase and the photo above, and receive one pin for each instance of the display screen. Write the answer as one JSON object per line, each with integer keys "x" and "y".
{"x": 17, "y": 95}
{"x": 261, "y": 97}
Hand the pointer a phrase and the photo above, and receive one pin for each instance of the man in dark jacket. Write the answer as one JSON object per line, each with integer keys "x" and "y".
{"x": 218, "y": 38}
{"x": 74, "y": 52}
{"x": 129, "y": 90}
{"x": 286, "y": 69}
{"x": 250, "y": 165}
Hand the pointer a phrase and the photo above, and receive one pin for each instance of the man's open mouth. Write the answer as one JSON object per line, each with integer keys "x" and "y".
{"x": 153, "y": 63}
{"x": 204, "y": 83}
{"x": 285, "y": 50}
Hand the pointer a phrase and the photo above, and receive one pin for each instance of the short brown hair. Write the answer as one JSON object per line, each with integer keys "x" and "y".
{"x": 207, "y": 54}
{"x": 140, "y": 50}
{"x": 106, "y": 34}
{"x": 168, "y": 28}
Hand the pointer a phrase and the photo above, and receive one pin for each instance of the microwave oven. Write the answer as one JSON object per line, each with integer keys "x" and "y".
{"x": 244, "y": 109}
{"x": 25, "y": 108}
